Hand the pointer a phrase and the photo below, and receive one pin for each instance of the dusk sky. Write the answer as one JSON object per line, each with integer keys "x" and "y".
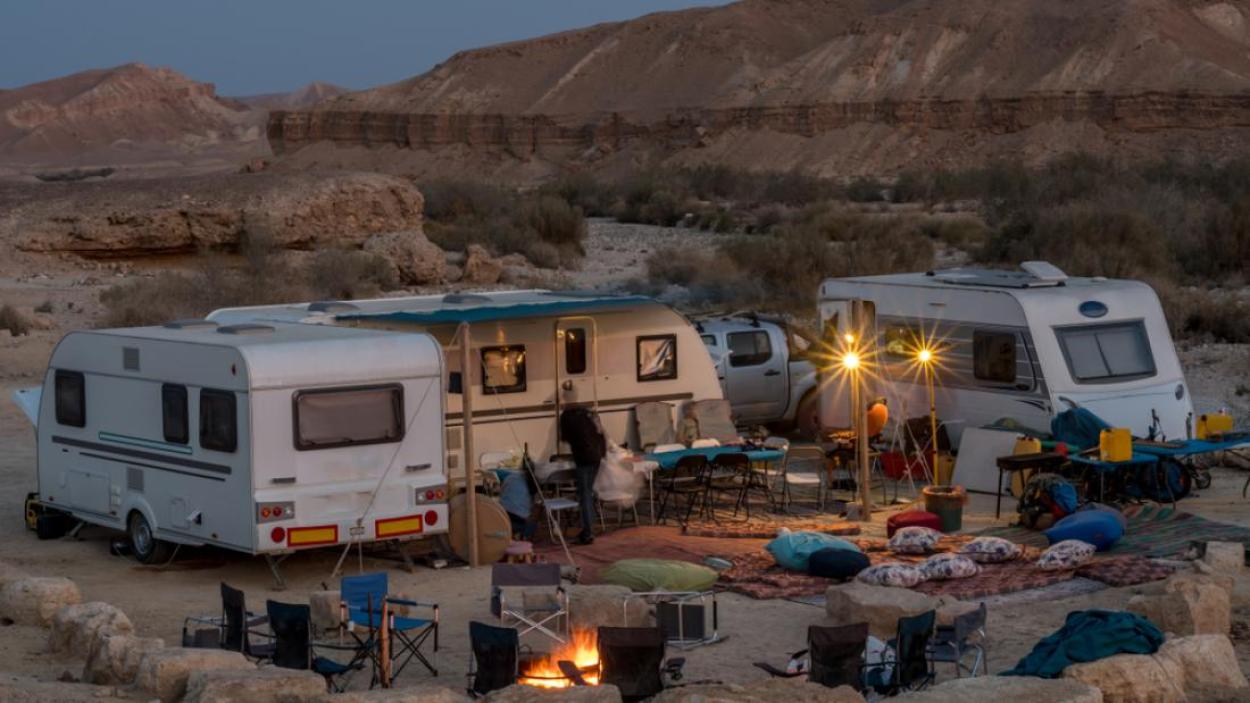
{"x": 262, "y": 46}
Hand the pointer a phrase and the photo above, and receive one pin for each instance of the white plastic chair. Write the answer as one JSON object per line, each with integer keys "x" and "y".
{"x": 811, "y": 459}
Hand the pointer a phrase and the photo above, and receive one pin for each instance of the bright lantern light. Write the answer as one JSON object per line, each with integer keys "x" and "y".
{"x": 925, "y": 356}
{"x": 850, "y": 361}
{"x": 850, "y": 338}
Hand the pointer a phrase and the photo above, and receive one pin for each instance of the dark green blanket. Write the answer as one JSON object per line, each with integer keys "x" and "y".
{"x": 1086, "y": 636}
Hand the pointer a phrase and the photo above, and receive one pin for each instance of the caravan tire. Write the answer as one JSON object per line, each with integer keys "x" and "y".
{"x": 143, "y": 542}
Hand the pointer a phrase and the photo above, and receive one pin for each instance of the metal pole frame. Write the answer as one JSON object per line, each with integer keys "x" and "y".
{"x": 470, "y": 461}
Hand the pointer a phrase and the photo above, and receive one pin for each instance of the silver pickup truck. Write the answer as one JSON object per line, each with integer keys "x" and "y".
{"x": 764, "y": 370}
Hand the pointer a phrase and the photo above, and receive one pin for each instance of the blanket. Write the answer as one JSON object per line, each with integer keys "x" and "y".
{"x": 1086, "y": 636}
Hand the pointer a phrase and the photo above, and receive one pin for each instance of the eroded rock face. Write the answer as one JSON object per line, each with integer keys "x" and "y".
{"x": 164, "y": 673}
{"x": 33, "y": 601}
{"x": 1129, "y": 678}
{"x": 1184, "y": 668}
{"x": 414, "y": 258}
{"x": 1191, "y": 604}
{"x": 604, "y": 605}
{"x": 267, "y": 685}
{"x": 879, "y": 606}
{"x": 480, "y": 267}
{"x": 797, "y": 690}
{"x": 1202, "y": 661}
{"x": 1005, "y": 689}
{"x": 75, "y": 628}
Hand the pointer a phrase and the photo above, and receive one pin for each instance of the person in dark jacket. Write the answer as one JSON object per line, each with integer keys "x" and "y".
{"x": 580, "y": 428}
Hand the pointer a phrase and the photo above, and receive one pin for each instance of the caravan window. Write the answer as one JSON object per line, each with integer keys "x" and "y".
{"x": 503, "y": 369}
{"x": 71, "y": 399}
{"x": 749, "y": 348}
{"x": 994, "y": 356}
{"x": 218, "y": 421}
{"x": 575, "y": 351}
{"x": 340, "y": 417}
{"x": 657, "y": 357}
{"x": 174, "y": 413}
{"x": 902, "y": 342}
{"x": 1107, "y": 353}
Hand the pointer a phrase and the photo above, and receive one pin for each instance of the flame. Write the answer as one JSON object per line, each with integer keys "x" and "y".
{"x": 582, "y": 649}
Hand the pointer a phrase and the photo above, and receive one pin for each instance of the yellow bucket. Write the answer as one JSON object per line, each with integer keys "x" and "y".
{"x": 1214, "y": 424}
{"x": 1115, "y": 444}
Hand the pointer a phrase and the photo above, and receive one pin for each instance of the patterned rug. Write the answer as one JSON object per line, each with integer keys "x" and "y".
{"x": 1153, "y": 531}
{"x": 765, "y": 527}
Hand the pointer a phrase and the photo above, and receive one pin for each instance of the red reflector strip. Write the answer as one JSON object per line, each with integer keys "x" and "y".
{"x": 394, "y": 526}
{"x": 312, "y": 536}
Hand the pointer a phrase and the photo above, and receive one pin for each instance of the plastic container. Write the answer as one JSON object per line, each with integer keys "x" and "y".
{"x": 1115, "y": 444}
{"x": 1027, "y": 445}
{"x": 947, "y": 502}
{"x": 1214, "y": 424}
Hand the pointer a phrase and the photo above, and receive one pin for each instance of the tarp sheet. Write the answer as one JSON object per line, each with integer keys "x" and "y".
{"x": 28, "y": 400}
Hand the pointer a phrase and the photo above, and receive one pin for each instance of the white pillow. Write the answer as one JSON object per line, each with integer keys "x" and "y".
{"x": 914, "y": 540}
{"x": 1068, "y": 554}
{"x": 941, "y": 567}
{"x": 990, "y": 550}
{"x": 900, "y": 575}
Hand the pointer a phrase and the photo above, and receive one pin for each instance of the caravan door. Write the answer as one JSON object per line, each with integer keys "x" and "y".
{"x": 577, "y": 361}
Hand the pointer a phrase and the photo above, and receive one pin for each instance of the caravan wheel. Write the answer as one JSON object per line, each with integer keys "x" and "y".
{"x": 147, "y": 548}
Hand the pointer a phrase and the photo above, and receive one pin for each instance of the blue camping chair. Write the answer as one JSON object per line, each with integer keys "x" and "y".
{"x": 366, "y": 603}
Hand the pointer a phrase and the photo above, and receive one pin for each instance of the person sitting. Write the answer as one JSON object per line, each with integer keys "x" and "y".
{"x": 516, "y": 495}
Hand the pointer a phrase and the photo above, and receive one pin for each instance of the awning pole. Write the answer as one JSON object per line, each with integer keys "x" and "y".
{"x": 470, "y": 461}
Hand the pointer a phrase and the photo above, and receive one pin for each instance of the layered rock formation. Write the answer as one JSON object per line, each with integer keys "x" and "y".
{"x": 836, "y": 87}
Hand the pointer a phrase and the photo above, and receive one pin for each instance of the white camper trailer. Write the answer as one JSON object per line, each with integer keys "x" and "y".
{"x": 1024, "y": 344}
{"x": 535, "y": 351}
{"x": 263, "y": 439}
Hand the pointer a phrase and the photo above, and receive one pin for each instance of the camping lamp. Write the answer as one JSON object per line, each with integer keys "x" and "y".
{"x": 927, "y": 359}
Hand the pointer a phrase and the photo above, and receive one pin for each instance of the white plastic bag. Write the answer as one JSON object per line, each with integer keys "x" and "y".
{"x": 617, "y": 482}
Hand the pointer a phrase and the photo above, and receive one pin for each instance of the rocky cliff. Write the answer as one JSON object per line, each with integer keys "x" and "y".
{"x": 838, "y": 86}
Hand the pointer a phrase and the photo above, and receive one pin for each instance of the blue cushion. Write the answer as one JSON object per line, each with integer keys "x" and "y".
{"x": 792, "y": 550}
{"x": 1097, "y": 527}
{"x": 841, "y": 564}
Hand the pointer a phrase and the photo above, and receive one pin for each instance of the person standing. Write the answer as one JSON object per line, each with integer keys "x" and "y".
{"x": 580, "y": 428}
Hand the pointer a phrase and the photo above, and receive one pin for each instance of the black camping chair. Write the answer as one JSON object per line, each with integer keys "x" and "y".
{"x": 687, "y": 481}
{"x": 632, "y": 659}
{"x": 294, "y": 649}
{"x": 496, "y": 658}
{"x": 952, "y": 643}
{"x": 911, "y": 669}
{"x": 835, "y": 654}
{"x": 729, "y": 473}
{"x": 233, "y": 626}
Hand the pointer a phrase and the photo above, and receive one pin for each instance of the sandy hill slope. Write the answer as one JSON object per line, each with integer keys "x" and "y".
{"x": 837, "y": 86}
{"x": 307, "y": 96}
{"x": 127, "y": 114}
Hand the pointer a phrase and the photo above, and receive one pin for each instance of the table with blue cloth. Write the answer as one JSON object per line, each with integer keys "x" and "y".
{"x": 668, "y": 460}
{"x": 1116, "y": 468}
{"x": 1187, "y": 448}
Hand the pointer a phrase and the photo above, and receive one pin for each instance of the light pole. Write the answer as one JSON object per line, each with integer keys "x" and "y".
{"x": 926, "y": 358}
{"x": 852, "y": 367}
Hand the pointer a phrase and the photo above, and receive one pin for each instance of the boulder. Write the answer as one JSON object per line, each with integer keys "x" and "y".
{"x": 415, "y": 259}
{"x": 996, "y": 689}
{"x": 75, "y": 628}
{"x": 25, "y": 689}
{"x": 114, "y": 659}
{"x": 796, "y": 690}
{"x": 946, "y": 614}
{"x": 880, "y": 606}
{"x": 604, "y": 605}
{"x": 1129, "y": 678}
{"x": 1226, "y": 557}
{"x": 325, "y": 609}
{"x": 1202, "y": 661}
{"x": 480, "y": 267}
{"x": 517, "y": 693}
{"x": 417, "y": 694}
{"x": 1191, "y": 604}
{"x": 33, "y": 601}
{"x": 164, "y": 673}
{"x": 9, "y": 572}
{"x": 267, "y": 685}
{"x": 1225, "y": 581}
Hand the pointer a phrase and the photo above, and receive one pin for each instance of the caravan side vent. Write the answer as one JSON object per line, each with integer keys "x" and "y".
{"x": 464, "y": 299}
{"x": 454, "y": 437}
{"x": 130, "y": 358}
{"x": 134, "y": 479}
{"x": 190, "y": 324}
{"x": 332, "y": 306}
{"x": 245, "y": 329}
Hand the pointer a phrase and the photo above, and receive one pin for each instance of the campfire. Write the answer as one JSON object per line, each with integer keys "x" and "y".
{"x": 581, "y": 649}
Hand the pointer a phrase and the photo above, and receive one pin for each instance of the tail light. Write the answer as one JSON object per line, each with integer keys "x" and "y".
{"x": 269, "y": 512}
{"x": 432, "y": 494}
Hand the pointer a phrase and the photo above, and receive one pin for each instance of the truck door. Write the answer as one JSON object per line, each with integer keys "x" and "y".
{"x": 756, "y": 374}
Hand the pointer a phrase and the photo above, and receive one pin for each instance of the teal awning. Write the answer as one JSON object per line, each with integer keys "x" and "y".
{"x": 492, "y": 311}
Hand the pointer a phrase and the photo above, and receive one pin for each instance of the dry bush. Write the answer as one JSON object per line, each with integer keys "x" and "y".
{"x": 543, "y": 228}
{"x": 14, "y": 321}
{"x": 347, "y": 274}
{"x": 449, "y": 200}
{"x": 149, "y": 301}
{"x": 1209, "y": 315}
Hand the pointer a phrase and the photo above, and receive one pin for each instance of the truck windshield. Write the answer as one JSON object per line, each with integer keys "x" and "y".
{"x": 339, "y": 417}
{"x": 1107, "y": 353}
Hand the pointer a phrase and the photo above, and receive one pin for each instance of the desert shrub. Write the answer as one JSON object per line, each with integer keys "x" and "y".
{"x": 554, "y": 221}
{"x": 1212, "y": 315}
{"x": 150, "y": 301}
{"x": 595, "y": 198}
{"x": 448, "y": 200}
{"x": 13, "y": 320}
{"x": 44, "y": 307}
{"x": 346, "y": 274}
{"x": 865, "y": 190}
{"x": 965, "y": 233}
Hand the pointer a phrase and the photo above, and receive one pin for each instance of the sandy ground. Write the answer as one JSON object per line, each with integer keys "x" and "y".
{"x": 158, "y": 599}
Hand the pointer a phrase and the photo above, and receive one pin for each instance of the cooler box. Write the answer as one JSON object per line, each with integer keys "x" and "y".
{"x": 1214, "y": 424}
{"x": 1115, "y": 444}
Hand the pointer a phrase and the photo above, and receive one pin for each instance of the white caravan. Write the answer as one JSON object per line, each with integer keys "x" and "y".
{"x": 535, "y": 351}
{"x": 1024, "y": 344}
{"x": 263, "y": 439}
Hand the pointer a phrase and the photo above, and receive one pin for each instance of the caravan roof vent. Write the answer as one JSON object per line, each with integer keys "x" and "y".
{"x": 245, "y": 329}
{"x": 464, "y": 299}
{"x": 994, "y": 278}
{"x": 332, "y": 306}
{"x": 1044, "y": 271}
{"x": 195, "y": 324}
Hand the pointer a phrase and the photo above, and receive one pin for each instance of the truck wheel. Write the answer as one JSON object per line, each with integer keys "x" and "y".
{"x": 146, "y": 547}
{"x": 51, "y": 526}
{"x": 807, "y": 416}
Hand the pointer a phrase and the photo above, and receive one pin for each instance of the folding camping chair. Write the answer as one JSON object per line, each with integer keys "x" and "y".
{"x": 835, "y": 656}
{"x": 495, "y": 661}
{"x": 910, "y": 668}
{"x": 654, "y": 423}
{"x": 632, "y": 659}
{"x": 687, "y": 619}
{"x": 294, "y": 649}
{"x": 952, "y": 643}
{"x": 233, "y": 628}
{"x": 550, "y": 617}
{"x": 686, "y": 479}
{"x": 367, "y": 603}
{"x": 803, "y": 468}
{"x": 715, "y": 418}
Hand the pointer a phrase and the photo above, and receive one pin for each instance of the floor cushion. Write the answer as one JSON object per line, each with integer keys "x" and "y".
{"x": 1097, "y": 527}
{"x": 1068, "y": 554}
{"x": 895, "y": 574}
{"x": 914, "y": 540}
{"x": 791, "y": 550}
{"x": 942, "y": 567}
{"x": 912, "y": 518}
{"x": 840, "y": 564}
{"x": 990, "y": 550}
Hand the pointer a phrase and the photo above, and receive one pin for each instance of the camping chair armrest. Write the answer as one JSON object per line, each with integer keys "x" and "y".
{"x": 214, "y": 620}
{"x": 411, "y": 603}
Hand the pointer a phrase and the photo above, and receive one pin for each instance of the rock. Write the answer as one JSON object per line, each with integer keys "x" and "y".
{"x": 480, "y": 267}
{"x": 1202, "y": 661}
{"x": 997, "y": 689}
{"x": 880, "y": 606}
{"x": 75, "y": 628}
{"x": 947, "y": 613}
{"x": 164, "y": 672}
{"x": 1226, "y": 557}
{"x": 596, "y": 606}
{"x": 417, "y": 694}
{"x": 22, "y": 689}
{"x": 796, "y": 690}
{"x": 325, "y": 609}
{"x": 267, "y": 685}
{"x": 1225, "y": 581}
{"x": 114, "y": 659}
{"x": 1129, "y": 678}
{"x": 33, "y": 601}
{"x": 415, "y": 259}
{"x": 9, "y": 572}
{"x": 517, "y": 693}
{"x": 1191, "y": 604}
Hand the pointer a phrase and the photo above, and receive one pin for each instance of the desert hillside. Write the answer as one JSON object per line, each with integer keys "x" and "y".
{"x": 849, "y": 86}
